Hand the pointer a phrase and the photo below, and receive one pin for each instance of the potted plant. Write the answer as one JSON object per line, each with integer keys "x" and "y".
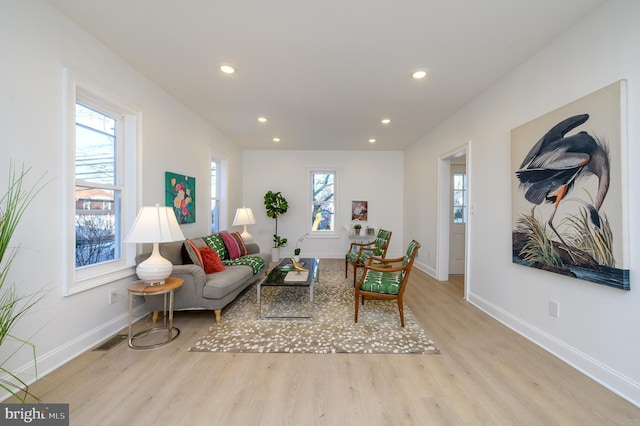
{"x": 357, "y": 228}
{"x": 296, "y": 251}
{"x": 13, "y": 306}
{"x": 276, "y": 205}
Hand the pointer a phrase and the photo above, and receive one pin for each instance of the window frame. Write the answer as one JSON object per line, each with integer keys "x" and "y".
{"x": 77, "y": 89}
{"x": 322, "y": 233}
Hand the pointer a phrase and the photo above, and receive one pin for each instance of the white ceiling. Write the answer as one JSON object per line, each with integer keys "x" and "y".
{"x": 325, "y": 72}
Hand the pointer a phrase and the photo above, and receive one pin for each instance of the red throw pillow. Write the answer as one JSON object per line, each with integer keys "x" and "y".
{"x": 211, "y": 262}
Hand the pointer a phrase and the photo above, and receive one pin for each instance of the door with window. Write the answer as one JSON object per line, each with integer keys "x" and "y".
{"x": 458, "y": 219}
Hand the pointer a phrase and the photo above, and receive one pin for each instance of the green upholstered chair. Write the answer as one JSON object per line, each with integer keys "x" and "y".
{"x": 386, "y": 280}
{"x": 359, "y": 253}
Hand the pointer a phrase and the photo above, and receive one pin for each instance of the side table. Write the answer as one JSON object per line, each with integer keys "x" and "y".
{"x": 140, "y": 288}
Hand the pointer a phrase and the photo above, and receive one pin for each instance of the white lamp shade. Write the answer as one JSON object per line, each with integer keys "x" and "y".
{"x": 244, "y": 216}
{"x": 155, "y": 224}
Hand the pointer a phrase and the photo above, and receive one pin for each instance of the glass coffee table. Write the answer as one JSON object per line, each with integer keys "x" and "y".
{"x": 284, "y": 276}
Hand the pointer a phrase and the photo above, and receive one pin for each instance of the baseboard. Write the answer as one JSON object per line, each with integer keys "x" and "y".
{"x": 63, "y": 354}
{"x": 611, "y": 379}
{"x": 425, "y": 268}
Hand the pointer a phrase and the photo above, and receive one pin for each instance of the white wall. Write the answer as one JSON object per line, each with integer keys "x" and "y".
{"x": 375, "y": 177}
{"x": 36, "y": 43}
{"x": 597, "y": 330}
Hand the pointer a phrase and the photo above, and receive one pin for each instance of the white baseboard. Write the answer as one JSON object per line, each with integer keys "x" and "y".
{"x": 54, "y": 359}
{"x": 613, "y": 380}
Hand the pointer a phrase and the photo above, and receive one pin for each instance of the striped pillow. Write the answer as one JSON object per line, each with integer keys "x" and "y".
{"x": 194, "y": 253}
{"x": 232, "y": 245}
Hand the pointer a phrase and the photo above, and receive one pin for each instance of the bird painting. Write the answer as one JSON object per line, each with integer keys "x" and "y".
{"x": 569, "y": 190}
{"x": 557, "y": 162}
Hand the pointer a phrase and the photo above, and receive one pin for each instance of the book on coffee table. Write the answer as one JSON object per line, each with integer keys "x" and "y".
{"x": 295, "y": 277}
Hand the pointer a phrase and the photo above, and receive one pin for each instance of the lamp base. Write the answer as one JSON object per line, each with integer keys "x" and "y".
{"x": 246, "y": 235}
{"x": 155, "y": 269}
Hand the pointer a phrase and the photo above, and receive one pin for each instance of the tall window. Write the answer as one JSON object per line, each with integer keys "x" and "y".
{"x": 323, "y": 202}
{"x": 98, "y": 189}
{"x": 100, "y": 185}
{"x": 215, "y": 196}
{"x": 459, "y": 198}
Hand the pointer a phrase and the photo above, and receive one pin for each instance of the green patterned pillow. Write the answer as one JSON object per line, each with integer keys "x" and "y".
{"x": 216, "y": 242}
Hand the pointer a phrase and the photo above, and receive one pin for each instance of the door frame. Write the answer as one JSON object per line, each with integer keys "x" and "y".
{"x": 444, "y": 187}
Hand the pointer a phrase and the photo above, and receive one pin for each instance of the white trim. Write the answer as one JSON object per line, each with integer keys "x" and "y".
{"x": 77, "y": 88}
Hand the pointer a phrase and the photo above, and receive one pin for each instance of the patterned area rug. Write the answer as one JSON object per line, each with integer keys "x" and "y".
{"x": 332, "y": 329}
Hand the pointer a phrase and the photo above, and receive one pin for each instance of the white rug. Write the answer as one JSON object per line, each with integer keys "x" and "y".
{"x": 332, "y": 329}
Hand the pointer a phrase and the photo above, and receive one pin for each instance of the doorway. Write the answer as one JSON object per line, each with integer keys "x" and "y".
{"x": 457, "y": 215}
{"x": 454, "y": 216}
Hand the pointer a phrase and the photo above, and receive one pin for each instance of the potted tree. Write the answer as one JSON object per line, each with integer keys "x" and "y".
{"x": 276, "y": 205}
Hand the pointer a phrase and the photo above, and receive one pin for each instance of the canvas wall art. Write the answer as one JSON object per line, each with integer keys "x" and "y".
{"x": 360, "y": 210}
{"x": 181, "y": 195}
{"x": 569, "y": 190}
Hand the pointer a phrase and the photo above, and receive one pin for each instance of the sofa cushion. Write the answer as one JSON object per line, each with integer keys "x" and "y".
{"x": 215, "y": 242}
{"x": 221, "y": 284}
{"x": 211, "y": 262}
{"x": 241, "y": 245}
{"x": 192, "y": 247}
{"x": 235, "y": 244}
{"x": 170, "y": 251}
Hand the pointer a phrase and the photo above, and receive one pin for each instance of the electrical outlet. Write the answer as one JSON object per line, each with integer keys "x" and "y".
{"x": 554, "y": 308}
{"x": 113, "y": 296}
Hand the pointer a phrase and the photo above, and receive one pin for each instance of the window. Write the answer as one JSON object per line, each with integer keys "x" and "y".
{"x": 100, "y": 186}
{"x": 459, "y": 198}
{"x": 97, "y": 190}
{"x": 323, "y": 202}
{"x": 215, "y": 197}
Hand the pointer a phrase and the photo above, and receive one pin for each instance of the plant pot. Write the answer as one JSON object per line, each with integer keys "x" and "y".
{"x": 296, "y": 258}
{"x": 275, "y": 254}
{"x": 357, "y": 231}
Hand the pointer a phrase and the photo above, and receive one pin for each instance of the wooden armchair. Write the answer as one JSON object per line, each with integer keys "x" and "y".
{"x": 359, "y": 253}
{"x": 386, "y": 281}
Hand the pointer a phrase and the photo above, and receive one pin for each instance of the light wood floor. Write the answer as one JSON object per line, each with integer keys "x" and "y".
{"x": 486, "y": 374}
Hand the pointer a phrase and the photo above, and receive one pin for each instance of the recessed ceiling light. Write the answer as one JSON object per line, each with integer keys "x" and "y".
{"x": 227, "y": 69}
{"x": 372, "y": 140}
{"x": 276, "y": 139}
{"x": 262, "y": 119}
{"x": 385, "y": 121}
{"x": 419, "y": 74}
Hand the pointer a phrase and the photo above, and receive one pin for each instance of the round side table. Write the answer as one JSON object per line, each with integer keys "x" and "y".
{"x": 140, "y": 288}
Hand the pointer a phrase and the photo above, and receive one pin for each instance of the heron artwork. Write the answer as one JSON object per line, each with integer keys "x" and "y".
{"x": 557, "y": 162}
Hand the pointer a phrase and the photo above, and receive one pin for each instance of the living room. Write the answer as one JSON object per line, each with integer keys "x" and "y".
{"x": 595, "y": 332}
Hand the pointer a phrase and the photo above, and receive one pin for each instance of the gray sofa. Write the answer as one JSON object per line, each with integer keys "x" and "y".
{"x": 205, "y": 291}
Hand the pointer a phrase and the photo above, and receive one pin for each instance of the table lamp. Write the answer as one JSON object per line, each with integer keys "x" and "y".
{"x": 244, "y": 216}
{"x": 155, "y": 224}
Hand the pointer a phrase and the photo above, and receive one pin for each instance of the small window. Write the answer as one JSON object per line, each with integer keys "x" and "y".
{"x": 215, "y": 196}
{"x": 459, "y": 198}
{"x": 323, "y": 190}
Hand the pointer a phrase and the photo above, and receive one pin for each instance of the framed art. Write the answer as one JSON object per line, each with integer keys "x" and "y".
{"x": 570, "y": 190}
{"x": 360, "y": 210}
{"x": 181, "y": 195}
